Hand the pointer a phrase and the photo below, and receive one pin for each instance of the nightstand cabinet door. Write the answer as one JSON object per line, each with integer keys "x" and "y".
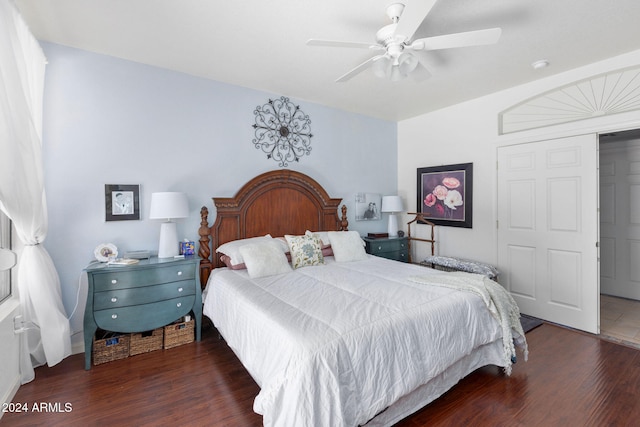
{"x": 141, "y": 297}
{"x": 395, "y": 248}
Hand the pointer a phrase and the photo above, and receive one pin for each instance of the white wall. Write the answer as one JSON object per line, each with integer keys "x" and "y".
{"x": 468, "y": 132}
{"x": 111, "y": 121}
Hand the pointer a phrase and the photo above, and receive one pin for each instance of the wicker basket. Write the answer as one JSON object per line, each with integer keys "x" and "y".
{"x": 145, "y": 342}
{"x": 112, "y": 346}
{"x": 178, "y": 334}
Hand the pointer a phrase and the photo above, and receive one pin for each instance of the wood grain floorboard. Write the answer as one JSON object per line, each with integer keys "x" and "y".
{"x": 571, "y": 379}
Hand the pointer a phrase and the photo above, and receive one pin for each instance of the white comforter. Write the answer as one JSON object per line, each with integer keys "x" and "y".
{"x": 334, "y": 345}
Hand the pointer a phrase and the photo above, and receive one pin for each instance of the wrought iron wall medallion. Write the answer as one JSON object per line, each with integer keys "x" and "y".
{"x": 282, "y": 131}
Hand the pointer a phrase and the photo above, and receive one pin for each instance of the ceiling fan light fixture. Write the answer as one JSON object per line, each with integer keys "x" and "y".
{"x": 382, "y": 67}
{"x": 396, "y": 75}
{"x": 407, "y": 63}
{"x": 395, "y": 68}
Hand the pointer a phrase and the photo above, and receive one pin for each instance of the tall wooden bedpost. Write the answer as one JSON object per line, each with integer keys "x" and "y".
{"x": 204, "y": 249}
{"x": 344, "y": 224}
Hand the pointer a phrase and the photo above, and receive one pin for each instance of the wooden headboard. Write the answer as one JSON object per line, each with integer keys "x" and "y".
{"x": 278, "y": 202}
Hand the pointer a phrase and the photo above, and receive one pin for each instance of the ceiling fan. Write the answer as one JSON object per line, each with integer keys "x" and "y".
{"x": 401, "y": 56}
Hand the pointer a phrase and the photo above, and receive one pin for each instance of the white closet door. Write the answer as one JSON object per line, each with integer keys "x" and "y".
{"x": 548, "y": 229}
{"x": 620, "y": 219}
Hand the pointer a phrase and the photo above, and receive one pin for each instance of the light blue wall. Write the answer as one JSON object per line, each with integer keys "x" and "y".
{"x": 111, "y": 121}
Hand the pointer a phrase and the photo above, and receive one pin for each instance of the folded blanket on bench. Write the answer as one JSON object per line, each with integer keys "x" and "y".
{"x": 459, "y": 264}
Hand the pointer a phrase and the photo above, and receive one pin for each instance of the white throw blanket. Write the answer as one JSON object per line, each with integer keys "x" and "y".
{"x": 498, "y": 301}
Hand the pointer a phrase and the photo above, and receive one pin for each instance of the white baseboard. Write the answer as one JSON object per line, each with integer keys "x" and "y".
{"x": 77, "y": 347}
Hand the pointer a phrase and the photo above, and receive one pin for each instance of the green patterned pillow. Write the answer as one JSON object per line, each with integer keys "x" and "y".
{"x": 305, "y": 250}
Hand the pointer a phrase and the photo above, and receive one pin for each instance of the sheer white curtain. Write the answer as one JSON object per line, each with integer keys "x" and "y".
{"x": 22, "y": 198}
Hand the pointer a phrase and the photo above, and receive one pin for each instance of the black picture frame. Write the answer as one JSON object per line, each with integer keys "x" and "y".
{"x": 368, "y": 206}
{"x": 445, "y": 194}
{"x": 121, "y": 202}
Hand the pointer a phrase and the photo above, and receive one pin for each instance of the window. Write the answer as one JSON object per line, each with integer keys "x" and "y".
{"x": 5, "y": 242}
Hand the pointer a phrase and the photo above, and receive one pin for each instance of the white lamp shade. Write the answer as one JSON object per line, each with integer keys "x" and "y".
{"x": 392, "y": 204}
{"x": 169, "y": 205}
{"x": 166, "y": 206}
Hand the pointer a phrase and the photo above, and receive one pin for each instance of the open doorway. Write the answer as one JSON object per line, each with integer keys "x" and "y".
{"x": 620, "y": 235}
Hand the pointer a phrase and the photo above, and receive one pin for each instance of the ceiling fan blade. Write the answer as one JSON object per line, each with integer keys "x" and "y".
{"x": 412, "y": 17}
{"x": 360, "y": 68}
{"x": 336, "y": 43}
{"x": 447, "y": 41}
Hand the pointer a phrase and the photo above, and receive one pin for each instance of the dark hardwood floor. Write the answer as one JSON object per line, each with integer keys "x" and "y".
{"x": 571, "y": 379}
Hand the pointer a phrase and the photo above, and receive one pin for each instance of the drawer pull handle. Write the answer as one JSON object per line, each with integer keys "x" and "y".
{"x": 114, "y": 281}
{"x": 179, "y": 304}
{"x": 179, "y": 273}
{"x": 180, "y": 289}
{"x": 114, "y": 299}
{"x": 114, "y": 316}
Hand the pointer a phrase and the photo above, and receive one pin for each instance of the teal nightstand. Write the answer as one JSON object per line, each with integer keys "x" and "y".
{"x": 396, "y": 248}
{"x": 141, "y": 297}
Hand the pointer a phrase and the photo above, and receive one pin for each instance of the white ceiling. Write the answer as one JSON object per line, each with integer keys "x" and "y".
{"x": 260, "y": 44}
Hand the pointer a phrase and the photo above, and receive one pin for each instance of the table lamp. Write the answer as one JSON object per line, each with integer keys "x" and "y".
{"x": 392, "y": 205}
{"x": 168, "y": 205}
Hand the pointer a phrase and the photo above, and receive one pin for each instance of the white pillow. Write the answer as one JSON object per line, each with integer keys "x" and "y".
{"x": 264, "y": 259}
{"x": 232, "y": 248}
{"x": 347, "y": 246}
{"x": 283, "y": 243}
{"x": 322, "y": 235}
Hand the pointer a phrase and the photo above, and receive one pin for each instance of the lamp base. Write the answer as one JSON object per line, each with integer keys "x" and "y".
{"x": 393, "y": 225}
{"x": 168, "y": 247}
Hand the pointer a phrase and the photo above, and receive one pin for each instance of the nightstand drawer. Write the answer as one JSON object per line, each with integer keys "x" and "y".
{"x": 387, "y": 245}
{"x": 131, "y": 278}
{"x": 128, "y": 319}
{"x": 396, "y": 255}
{"x": 395, "y": 248}
{"x": 142, "y": 295}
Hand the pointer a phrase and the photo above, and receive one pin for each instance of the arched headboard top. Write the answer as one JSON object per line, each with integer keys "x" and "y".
{"x": 276, "y": 179}
{"x": 277, "y": 202}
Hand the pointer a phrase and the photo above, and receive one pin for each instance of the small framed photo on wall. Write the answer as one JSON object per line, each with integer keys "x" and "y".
{"x": 122, "y": 202}
{"x": 445, "y": 194}
{"x": 368, "y": 206}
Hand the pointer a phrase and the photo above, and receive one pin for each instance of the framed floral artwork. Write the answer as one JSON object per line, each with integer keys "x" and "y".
{"x": 445, "y": 194}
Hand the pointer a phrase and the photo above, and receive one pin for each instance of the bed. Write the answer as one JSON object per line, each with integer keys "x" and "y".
{"x": 334, "y": 336}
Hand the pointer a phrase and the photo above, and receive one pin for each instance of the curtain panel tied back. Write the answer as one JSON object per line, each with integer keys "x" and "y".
{"x": 22, "y": 196}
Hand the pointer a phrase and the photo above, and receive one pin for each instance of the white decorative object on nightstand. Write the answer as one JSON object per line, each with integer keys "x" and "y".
{"x": 168, "y": 205}
{"x": 392, "y": 205}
